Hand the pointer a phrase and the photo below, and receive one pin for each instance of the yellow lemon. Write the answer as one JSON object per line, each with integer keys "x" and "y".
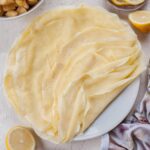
{"x": 127, "y": 2}
{"x": 134, "y": 2}
{"x": 119, "y": 2}
{"x": 20, "y": 138}
{"x": 141, "y": 20}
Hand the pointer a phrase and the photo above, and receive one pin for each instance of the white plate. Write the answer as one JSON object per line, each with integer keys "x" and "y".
{"x": 114, "y": 114}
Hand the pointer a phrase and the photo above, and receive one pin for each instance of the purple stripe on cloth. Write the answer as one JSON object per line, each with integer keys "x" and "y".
{"x": 133, "y": 133}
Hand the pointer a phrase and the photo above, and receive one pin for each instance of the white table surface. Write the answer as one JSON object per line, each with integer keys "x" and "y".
{"x": 9, "y": 30}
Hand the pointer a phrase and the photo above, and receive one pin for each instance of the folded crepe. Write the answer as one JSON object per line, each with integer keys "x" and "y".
{"x": 68, "y": 66}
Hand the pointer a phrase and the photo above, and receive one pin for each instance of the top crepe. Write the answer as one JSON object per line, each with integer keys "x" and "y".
{"x": 68, "y": 66}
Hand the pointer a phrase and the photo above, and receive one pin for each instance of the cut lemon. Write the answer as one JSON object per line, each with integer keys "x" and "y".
{"x": 134, "y": 2}
{"x": 141, "y": 20}
{"x": 20, "y": 138}
{"x": 119, "y": 2}
{"x": 127, "y": 2}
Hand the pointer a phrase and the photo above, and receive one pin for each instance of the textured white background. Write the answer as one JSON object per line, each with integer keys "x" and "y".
{"x": 11, "y": 29}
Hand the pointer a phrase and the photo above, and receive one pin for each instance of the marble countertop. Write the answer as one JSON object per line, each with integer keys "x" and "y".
{"x": 11, "y": 29}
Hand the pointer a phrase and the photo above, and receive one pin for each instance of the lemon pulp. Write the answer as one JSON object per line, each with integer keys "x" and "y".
{"x": 127, "y": 2}
{"x": 20, "y": 138}
{"x": 141, "y": 20}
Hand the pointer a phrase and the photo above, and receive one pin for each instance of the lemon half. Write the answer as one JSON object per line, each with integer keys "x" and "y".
{"x": 127, "y": 2}
{"x": 134, "y": 2}
{"x": 119, "y": 2}
{"x": 141, "y": 20}
{"x": 20, "y": 138}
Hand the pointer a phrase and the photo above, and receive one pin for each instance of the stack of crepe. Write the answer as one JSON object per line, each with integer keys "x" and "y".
{"x": 68, "y": 66}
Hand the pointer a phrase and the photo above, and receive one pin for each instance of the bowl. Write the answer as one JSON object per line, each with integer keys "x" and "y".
{"x": 24, "y": 14}
{"x": 126, "y": 8}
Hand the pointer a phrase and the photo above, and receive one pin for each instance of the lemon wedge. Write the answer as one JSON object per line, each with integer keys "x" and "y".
{"x": 134, "y": 2}
{"x": 119, "y": 2}
{"x": 127, "y": 2}
{"x": 141, "y": 20}
{"x": 20, "y": 138}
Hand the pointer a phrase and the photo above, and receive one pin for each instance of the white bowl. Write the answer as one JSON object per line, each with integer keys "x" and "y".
{"x": 127, "y": 9}
{"x": 24, "y": 14}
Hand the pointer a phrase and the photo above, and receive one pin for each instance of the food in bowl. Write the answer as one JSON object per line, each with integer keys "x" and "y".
{"x": 68, "y": 66}
{"x": 11, "y": 8}
{"x": 127, "y": 2}
{"x": 127, "y": 5}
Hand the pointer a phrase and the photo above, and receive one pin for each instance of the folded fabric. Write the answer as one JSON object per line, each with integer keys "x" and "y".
{"x": 133, "y": 133}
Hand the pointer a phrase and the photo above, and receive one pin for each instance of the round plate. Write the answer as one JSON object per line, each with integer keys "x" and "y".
{"x": 114, "y": 114}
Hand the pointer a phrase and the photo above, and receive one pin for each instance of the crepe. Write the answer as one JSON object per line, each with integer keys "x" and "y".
{"x": 68, "y": 66}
